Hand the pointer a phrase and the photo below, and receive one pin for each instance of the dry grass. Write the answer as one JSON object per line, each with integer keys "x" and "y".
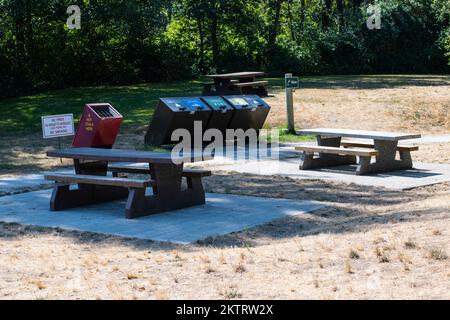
{"x": 368, "y": 243}
{"x": 408, "y": 103}
{"x": 307, "y": 257}
{"x": 437, "y": 254}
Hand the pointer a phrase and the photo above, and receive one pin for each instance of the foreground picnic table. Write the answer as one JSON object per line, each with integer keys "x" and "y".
{"x": 333, "y": 151}
{"x": 236, "y": 83}
{"x": 94, "y": 186}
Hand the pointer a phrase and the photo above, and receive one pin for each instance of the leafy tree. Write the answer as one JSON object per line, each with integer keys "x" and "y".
{"x": 137, "y": 41}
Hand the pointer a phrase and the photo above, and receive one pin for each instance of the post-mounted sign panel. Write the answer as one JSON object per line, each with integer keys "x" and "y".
{"x": 292, "y": 83}
{"x": 58, "y": 126}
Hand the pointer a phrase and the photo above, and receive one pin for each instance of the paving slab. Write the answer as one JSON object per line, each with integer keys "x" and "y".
{"x": 15, "y": 183}
{"x": 434, "y": 139}
{"x": 423, "y": 174}
{"x": 222, "y": 214}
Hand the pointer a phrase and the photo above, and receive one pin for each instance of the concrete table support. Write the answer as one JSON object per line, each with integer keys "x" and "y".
{"x": 307, "y": 160}
{"x": 384, "y": 143}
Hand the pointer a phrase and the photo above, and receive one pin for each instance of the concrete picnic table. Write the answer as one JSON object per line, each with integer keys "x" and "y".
{"x": 236, "y": 83}
{"x": 164, "y": 175}
{"x": 384, "y": 148}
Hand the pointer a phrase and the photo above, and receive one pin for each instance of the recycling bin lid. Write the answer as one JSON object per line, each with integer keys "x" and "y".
{"x": 104, "y": 110}
{"x": 188, "y": 104}
{"x": 217, "y": 103}
{"x": 255, "y": 101}
{"x": 237, "y": 102}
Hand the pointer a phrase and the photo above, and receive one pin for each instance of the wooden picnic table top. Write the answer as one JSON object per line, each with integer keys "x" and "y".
{"x": 246, "y": 74}
{"x": 362, "y": 134}
{"x": 120, "y": 155}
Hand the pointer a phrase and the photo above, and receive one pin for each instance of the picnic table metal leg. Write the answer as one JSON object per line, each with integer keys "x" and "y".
{"x": 167, "y": 193}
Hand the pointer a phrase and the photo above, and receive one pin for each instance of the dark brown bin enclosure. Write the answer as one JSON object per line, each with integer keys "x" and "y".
{"x": 176, "y": 113}
{"x": 98, "y": 127}
{"x": 251, "y": 112}
{"x": 221, "y": 115}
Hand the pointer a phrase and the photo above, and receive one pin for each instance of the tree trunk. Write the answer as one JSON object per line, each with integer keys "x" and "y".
{"x": 202, "y": 46}
{"x": 302, "y": 14}
{"x": 215, "y": 41}
{"x": 291, "y": 19}
{"x": 326, "y": 13}
{"x": 340, "y": 10}
{"x": 23, "y": 33}
{"x": 274, "y": 29}
{"x": 356, "y": 4}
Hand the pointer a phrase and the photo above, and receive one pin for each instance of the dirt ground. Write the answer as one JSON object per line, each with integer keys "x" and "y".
{"x": 365, "y": 245}
{"x": 368, "y": 243}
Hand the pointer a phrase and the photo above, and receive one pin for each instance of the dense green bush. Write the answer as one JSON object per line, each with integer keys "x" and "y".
{"x": 143, "y": 41}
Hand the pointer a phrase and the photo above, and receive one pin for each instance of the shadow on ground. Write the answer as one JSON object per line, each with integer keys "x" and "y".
{"x": 350, "y": 208}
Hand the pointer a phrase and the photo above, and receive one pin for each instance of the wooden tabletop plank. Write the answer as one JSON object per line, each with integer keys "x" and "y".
{"x": 118, "y": 155}
{"x": 363, "y": 134}
{"x": 237, "y": 75}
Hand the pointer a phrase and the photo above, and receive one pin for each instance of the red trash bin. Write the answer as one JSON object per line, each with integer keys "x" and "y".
{"x": 98, "y": 127}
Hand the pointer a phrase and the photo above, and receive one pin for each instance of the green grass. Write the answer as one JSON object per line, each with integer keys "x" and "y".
{"x": 288, "y": 137}
{"x": 22, "y": 115}
{"x": 136, "y": 103}
{"x": 153, "y": 149}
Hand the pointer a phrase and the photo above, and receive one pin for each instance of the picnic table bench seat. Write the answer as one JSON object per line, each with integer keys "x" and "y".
{"x": 210, "y": 83}
{"x": 251, "y": 84}
{"x": 100, "y": 180}
{"x": 236, "y": 84}
{"x": 335, "y": 150}
{"x": 189, "y": 173}
{"x": 363, "y": 144}
{"x": 336, "y": 155}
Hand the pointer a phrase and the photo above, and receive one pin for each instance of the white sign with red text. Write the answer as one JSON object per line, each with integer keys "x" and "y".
{"x": 58, "y": 126}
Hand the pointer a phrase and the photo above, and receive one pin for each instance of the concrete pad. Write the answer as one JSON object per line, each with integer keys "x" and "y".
{"x": 243, "y": 155}
{"x": 222, "y": 214}
{"x": 435, "y": 139}
{"x": 14, "y": 183}
{"x": 423, "y": 174}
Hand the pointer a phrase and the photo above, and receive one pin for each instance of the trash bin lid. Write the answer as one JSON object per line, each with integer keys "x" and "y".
{"x": 237, "y": 102}
{"x": 217, "y": 103}
{"x": 185, "y": 104}
{"x": 255, "y": 101}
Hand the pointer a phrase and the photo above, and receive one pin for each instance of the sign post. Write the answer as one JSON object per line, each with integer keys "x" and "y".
{"x": 58, "y": 126}
{"x": 291, "y": 83}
